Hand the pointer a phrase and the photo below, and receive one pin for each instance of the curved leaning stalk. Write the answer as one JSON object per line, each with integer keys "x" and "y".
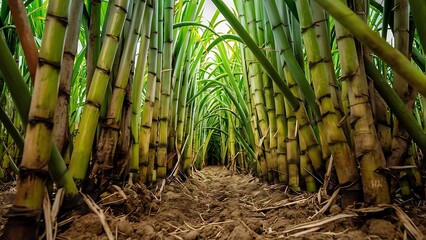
{"x": 321, "y": 26}
{"x": 34, "y": 167}
{"x": 338, "y": 96}
{"x": 346, "y": 165}
{"x": 89, "y": 120}
{"x": 379, "y": 46}
{"x": 367, "y": 144}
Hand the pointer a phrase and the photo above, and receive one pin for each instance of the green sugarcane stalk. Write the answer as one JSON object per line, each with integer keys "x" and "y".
{"x": 107, "y": 143}
{"x": 144, "y": 46}
{"x": 94, "y": 41}
{"x": 291, "y": 67}
{"x": 165, "y": 89}
{"x": 418, "y": 10}
{"x": 188, "y": 155}
{"x": 259, "y": 163}
{"x": 292, "y": 140}
{"x": 397, "y": 106}
{"x": 258, "y": 96}
{"x": 182, "y": 96}
{"x": 281, "y": 134}
{"x": 61, "y": 133}
{"x": 346, "y": 165}
{"x": 182, "y": 36}
{"x": 153, "y": 146}
{"x": 367, "y": 145}
{"x": 148, "y": 107}
{"x": 91, "y": 111}
{"x": 27, "y": 204}
{"x": 401, "y": 139}
{"x": 22, "y": 99}
{"x": 269, "y": 92}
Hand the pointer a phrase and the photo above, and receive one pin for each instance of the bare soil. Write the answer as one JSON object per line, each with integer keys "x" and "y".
{"x": 216, "y": 204}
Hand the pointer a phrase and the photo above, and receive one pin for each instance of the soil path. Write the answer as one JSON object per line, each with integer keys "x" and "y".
{"x": 215, "y": 204}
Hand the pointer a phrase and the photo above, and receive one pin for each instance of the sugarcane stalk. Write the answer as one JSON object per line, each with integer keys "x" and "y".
{"x": 379, "y": 46}
{"x": 91, "y": 111}
{"x": 165, "y": 89}
{"x": 24, "y": 215}
{"x": 144, "y": 46}
{"x": 367, "y": 145}
{"x": 346, "y": 165}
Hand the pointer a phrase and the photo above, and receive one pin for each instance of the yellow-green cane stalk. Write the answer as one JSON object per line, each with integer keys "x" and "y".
{"x": 269, "y": 94}
{"x": 24, "y": 215}
{"x": 148, "y": 107}
{"x": 292, "y": 69}
{"x": 109, "y": 133}
{"x": 367, "y": 145}
{"x": 256, "y": 83}
{"x": 94, "y": 41}
{"x": 306, "y": 169}
{"x": 89, "y": 120}
{"x": 396, "y": 104}
{"x": 281, "y": 134}
{"x": 346, "y": 165}
{"x": 321, "y": 27}
{"x": 61, "y": 134}
{"x": 144, "y": 46}
{"x": 22, "y": 100}
{"x": 293, "y": 153}
{"x": 153, "y": 146}
{"x": 165, "y": 89}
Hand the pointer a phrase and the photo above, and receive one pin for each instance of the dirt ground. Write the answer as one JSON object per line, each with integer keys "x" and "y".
{"x": 215, "y": 204}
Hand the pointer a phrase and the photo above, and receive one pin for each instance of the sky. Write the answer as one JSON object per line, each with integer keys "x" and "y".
{"x": 210, "y": 9}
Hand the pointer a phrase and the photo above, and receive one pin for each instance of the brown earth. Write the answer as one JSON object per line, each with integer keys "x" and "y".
{"x": 215, "y": 204}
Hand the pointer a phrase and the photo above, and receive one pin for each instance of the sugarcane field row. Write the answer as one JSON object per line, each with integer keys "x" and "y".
{"x": 212, "y": 119}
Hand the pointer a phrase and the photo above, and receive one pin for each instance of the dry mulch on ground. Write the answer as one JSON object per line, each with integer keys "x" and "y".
{"x": 216, "y": 204}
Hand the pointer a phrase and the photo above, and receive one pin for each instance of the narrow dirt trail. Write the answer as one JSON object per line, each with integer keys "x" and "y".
{"x": 215, "y": 204}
